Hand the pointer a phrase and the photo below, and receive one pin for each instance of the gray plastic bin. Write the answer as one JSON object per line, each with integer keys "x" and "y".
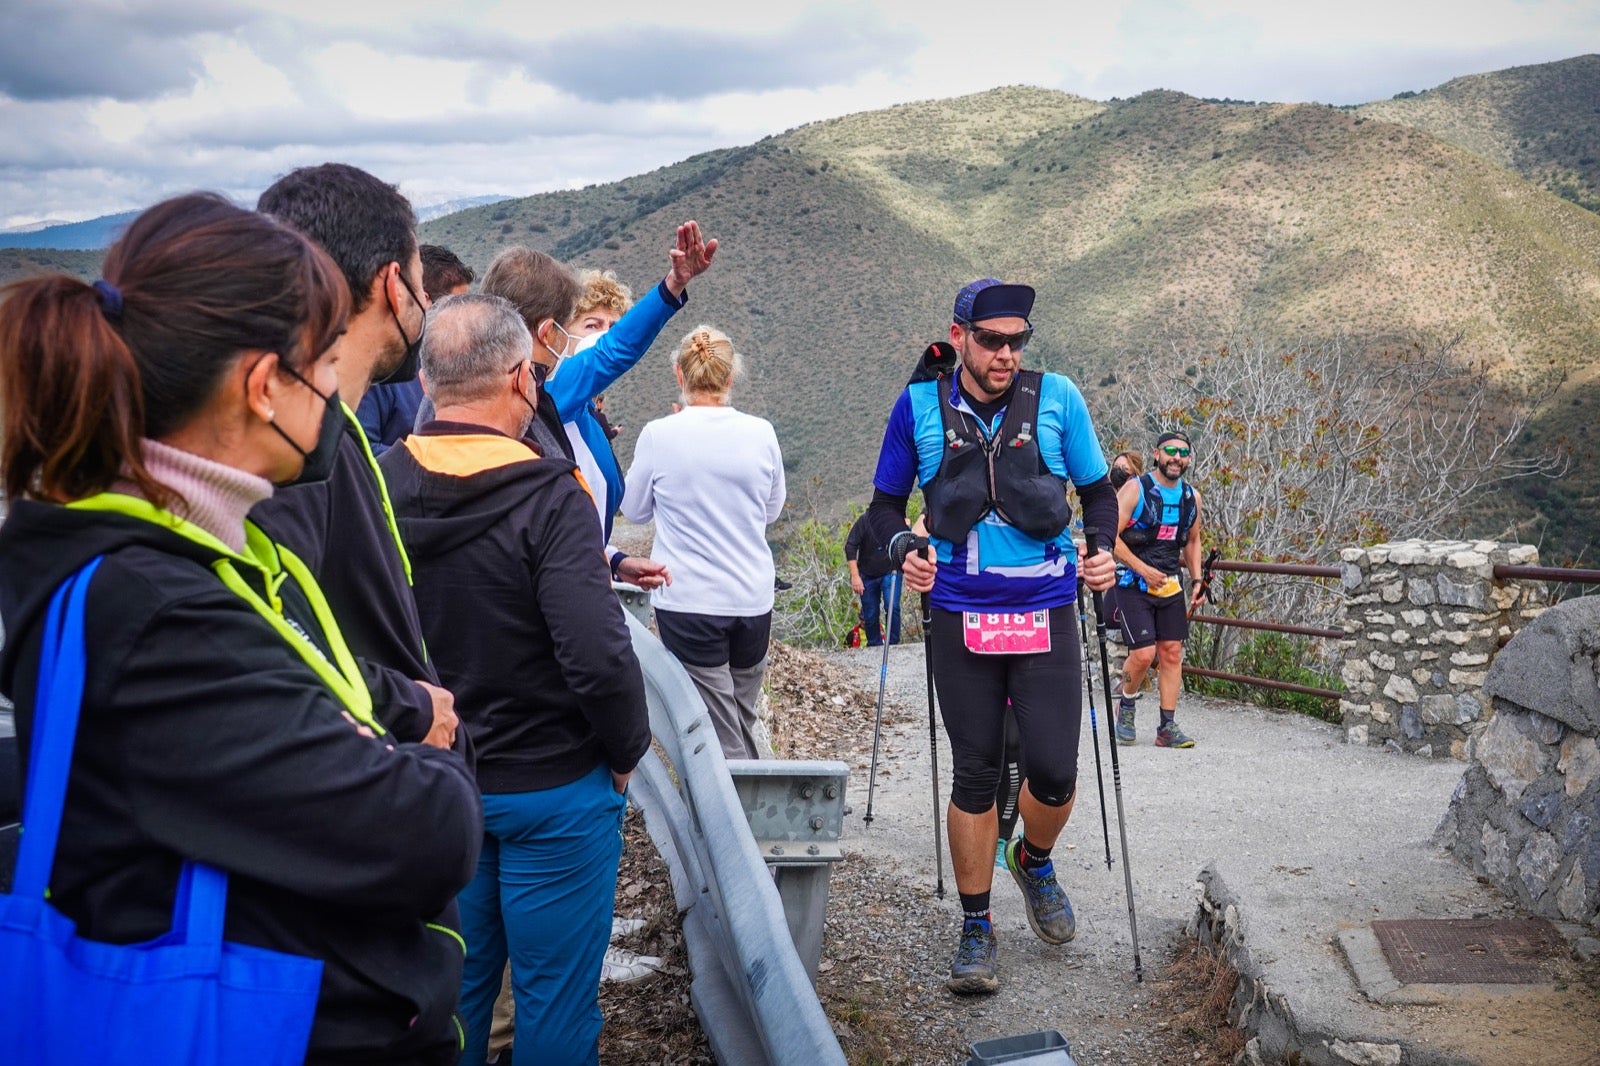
{"x": 1045, "y": 1048}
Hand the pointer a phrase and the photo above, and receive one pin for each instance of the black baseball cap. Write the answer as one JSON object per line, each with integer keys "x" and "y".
{"x": 992, "y": 298}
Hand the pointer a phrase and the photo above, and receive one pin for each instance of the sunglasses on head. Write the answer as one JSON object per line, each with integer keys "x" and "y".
{"x": 1176, "y": 449}
{"x": 992, "y": 341}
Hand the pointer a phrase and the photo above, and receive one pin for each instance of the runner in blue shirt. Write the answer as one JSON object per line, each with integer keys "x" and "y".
{"x": 993, "y": 448}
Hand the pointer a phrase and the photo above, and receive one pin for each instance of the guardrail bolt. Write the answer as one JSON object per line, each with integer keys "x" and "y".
{"x": 831, "y": 792}
{"x": 813, "y": 850}
{"x": 806, "y": 790}
{"x": 777, "y": 850}
{"x": 816, "y": 822}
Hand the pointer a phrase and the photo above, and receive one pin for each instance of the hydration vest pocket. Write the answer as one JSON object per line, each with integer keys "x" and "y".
{"x": 1036, "y": 505}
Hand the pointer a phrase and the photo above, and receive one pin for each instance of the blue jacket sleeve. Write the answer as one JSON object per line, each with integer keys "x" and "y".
{"x": 593, "y": 370}
{"x": 897, "y": 458}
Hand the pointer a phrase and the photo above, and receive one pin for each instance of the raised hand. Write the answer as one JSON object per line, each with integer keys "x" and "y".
{"x": 690, "y": 258}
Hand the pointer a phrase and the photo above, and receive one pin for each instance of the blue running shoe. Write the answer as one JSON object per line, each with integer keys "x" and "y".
{"x": 1049, "y": 911}
{"x": 973, "y": 971}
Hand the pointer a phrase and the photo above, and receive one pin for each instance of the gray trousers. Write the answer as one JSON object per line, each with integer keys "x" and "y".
{"x": 731, "y": 694}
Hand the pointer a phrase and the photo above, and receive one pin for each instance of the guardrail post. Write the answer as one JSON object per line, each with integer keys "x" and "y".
{"x": 796, "y": 813}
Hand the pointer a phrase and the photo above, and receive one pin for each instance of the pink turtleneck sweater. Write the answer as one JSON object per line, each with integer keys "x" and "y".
{"x": 216, "y": 497}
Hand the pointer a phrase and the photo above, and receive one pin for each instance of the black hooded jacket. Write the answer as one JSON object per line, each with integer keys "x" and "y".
{"x": 205, "y": 735}
{"x": 517, "y": 607}
{"x": 339, "y": 529}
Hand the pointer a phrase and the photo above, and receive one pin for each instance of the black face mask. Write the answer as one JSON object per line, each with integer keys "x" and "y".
{"x": 533, "y": 412}
{"x": 318, "y": 464}
{"x": 411, "y": 361}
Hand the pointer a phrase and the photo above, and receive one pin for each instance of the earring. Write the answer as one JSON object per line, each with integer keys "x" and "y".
{"x": 271, "y": 414}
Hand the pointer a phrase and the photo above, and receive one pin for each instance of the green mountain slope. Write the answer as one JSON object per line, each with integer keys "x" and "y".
{"x": 1157, "y": 221}
{"x": 17, "y": 263}
{"x": 1541, "y": 121}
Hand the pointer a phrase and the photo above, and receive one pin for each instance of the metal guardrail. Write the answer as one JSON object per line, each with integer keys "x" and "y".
{"x": 750, "y": 990}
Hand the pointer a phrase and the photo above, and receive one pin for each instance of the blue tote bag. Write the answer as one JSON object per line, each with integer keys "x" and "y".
{"x": 184, "y": 998}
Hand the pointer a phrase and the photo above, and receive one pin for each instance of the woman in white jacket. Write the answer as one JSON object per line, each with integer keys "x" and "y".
{"x": 712, "y": 479}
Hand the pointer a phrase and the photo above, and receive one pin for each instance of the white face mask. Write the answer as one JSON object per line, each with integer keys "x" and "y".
{"x": 585, "y": 343}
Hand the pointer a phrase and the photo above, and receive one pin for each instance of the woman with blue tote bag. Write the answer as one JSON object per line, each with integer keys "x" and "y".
{"x": 225, "y": 858}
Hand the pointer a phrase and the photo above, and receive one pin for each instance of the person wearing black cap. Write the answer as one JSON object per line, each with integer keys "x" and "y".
{"x": 1159, "y": 535}
{"x": 993, "y": 447}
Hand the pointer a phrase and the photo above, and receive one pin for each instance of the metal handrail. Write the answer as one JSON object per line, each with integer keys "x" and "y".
{"x": 750, "y": 990}
{"x": 1566, "y": 575}
{"x": 1284, "y": 569}
{"x": 1271, "y": 627}
{"x": 1239, "y": 566}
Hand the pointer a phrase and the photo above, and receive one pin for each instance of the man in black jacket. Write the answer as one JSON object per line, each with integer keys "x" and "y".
{"x": 869, "y": 569}
{"x": 336, "y": 516}
{"x": 517, "y": 608}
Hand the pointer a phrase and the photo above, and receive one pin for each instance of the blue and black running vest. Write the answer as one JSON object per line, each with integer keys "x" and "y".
{"x": 1004, "y": 473}
{"x": 1151, "y": 537}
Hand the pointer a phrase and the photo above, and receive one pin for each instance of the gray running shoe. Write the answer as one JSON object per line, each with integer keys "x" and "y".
{"x": 1126, "y": 734}
{"x": 1049, "y": 911}
{"x": 1170, "y": 736}
{"x": 973, "y": 971}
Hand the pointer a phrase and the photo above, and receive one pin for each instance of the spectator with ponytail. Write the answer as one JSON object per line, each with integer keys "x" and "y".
{"x": 224, "y": 720}
{"x": 711, "y": 477}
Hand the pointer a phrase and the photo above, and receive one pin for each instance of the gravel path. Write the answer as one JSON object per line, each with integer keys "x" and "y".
{"x": 1084, "y": 989}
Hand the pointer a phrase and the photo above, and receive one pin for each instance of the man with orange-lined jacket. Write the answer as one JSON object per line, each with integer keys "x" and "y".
{"x": 516, "y": 606}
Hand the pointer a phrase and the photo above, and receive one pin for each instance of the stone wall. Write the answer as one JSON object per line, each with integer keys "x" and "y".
{"x": 1423, "y": 621}
{"x": 1527, "y": 812}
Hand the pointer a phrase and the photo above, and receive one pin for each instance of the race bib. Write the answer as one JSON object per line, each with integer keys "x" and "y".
{"x": 1006, "y": 632}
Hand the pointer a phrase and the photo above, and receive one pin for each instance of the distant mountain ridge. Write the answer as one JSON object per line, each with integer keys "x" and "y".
{"x": 101, "y": 233}
{"x": 94, "y": 233}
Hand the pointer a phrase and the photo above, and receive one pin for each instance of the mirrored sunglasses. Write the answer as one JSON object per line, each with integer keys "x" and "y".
{"x": 1176, "y": 449}
{"x": 992, "y": 341}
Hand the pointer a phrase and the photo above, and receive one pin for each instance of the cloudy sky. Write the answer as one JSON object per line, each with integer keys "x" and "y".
{"x": 107, "y": 106}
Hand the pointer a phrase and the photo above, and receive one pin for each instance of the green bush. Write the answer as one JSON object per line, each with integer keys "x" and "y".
{"x": 819, "y": 610}
{"x": 1275, "y": 657}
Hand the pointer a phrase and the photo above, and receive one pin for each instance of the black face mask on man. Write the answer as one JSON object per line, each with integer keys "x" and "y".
{"x": 411, "y": 361}
{"x": 318, "y": 465}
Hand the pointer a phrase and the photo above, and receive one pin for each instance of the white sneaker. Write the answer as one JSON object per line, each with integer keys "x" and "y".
{"x": 624, "y": 966}
{"x": 621, "y": 927}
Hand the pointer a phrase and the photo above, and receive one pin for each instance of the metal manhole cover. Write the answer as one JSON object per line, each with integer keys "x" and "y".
{"x": 1453, "y": 951}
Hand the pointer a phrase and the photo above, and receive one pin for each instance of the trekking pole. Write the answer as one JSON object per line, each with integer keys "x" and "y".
{"x": 1089, "y": 534}
{"x": 902, "y": 545}
{"x": 933, "y": 750}
{"x": 877, "y": 718}
{"x": 1094, "y": 726}
{"x": 1205, "y": 579}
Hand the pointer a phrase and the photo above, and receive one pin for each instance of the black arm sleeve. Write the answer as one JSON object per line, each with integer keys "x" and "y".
{"x": 1099, "y": 502}
{"x": 886, "y": 515}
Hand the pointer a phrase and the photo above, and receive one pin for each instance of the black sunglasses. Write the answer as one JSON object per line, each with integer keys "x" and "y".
{"x": 992, "y": 341}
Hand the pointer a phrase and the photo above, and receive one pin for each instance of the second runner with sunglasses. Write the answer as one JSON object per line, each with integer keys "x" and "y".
{"x": 1159, "y": 538}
